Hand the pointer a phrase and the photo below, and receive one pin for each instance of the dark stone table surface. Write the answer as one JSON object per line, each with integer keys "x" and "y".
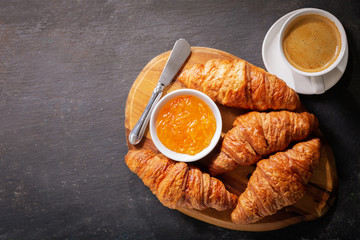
{"x": 66, "y": 68}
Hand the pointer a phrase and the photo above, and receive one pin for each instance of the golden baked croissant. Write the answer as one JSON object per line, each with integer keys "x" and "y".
{"x": 237, "y": 83}
{"x": 178, "y": 185}
{"x": 277, "y": 182}
{"x": 258, "y": 134}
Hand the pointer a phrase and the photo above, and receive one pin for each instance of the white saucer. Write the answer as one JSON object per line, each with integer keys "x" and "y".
{"x": 275, "y": 64}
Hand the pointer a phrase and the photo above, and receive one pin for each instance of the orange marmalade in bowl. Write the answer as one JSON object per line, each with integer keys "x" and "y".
{"x": 185, "y": 125}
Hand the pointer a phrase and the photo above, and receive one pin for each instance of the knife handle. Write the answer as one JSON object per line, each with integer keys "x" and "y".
{"x": 137, "y": 133}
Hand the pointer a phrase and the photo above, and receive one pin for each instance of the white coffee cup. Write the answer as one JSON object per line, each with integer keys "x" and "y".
{"x": 317, "y": 78}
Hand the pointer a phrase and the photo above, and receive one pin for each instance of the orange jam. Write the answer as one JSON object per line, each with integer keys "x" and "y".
{"x": 186, "y": 125}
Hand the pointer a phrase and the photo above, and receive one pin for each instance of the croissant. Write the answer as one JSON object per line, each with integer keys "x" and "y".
{"x": 178, "y": 185}
{"x": 277, "y": 182}
{"x": 256, "y": 135}
{"x": 237, "y": 83}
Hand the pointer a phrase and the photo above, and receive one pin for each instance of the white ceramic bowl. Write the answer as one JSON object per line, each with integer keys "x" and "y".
{"x": 180, "y": 156}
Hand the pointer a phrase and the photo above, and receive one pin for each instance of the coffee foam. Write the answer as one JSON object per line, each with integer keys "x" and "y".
{"x": 311, "y": 43}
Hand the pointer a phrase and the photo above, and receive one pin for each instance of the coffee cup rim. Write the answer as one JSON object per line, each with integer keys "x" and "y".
{"x": 331, "y": 17}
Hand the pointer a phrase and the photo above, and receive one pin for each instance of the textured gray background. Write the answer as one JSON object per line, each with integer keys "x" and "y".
{"x": 66, "y": 68}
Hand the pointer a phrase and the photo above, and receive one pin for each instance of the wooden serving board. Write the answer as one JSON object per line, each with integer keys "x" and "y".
{"x": 320, "y": 191}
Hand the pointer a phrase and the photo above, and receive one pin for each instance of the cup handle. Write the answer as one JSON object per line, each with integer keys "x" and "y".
{"x": 318, "y": 84}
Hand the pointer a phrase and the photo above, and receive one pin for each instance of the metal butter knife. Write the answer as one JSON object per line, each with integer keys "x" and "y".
{"x": 178, "y": 56}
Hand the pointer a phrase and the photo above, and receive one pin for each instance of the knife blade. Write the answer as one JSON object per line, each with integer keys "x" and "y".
{"x": 178, "y": 56}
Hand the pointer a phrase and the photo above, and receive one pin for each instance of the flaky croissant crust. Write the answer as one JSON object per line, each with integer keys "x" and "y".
{"x": 178, "y": 185}
{"x": 237, "y": 83}
{"x": 258, "y": 134}
{"x": 277, "y": 182}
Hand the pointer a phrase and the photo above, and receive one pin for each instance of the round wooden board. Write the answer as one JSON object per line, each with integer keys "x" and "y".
{"x": 320, "y": 191}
